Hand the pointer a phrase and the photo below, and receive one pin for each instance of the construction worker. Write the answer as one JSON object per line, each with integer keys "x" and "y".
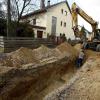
{"x": 80, "y": 58}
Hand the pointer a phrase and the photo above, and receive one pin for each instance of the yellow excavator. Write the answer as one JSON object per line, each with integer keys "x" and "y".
{"x": 93, "y": 42}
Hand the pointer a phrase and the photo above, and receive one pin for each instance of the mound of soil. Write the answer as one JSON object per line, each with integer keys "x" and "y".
{"x": 67, "y": 50}
{"x": 78, "y": 47}
{"x": 19, "y": 57}
{"x": 24, "y": 55}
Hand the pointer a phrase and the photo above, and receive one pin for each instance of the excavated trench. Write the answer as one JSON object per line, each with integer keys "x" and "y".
{"x": 84, "y": 85}
{"x": 35, "y": 80}
{"x": 35, "y": 83}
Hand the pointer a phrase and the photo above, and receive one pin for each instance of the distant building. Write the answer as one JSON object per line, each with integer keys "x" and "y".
{"x": 53, "y": 20}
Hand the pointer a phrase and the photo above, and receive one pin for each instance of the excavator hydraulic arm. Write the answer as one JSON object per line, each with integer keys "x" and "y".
{"x": 76, "y": 10}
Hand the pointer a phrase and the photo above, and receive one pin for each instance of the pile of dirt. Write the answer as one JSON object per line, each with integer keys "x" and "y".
{"x": 44, "y": 52}
{"x": 24, "y": 55}
{"x": 67, "y": 50}
{"x": 78, "y": 47}
{"x": 19, "y": 57}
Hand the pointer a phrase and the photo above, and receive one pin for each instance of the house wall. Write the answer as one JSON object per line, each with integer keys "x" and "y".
{"x": 45, "y": 20}
{"x": 56, "y": 12}
{"x": 40, "y": 21}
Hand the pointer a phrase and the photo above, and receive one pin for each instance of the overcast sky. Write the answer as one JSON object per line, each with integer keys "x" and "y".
{"x": 91, "y": 7}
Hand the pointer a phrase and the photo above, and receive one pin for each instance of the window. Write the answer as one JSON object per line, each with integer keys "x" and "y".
{"x": 61, "y": 23}
{"x": 34, "y": 21}
{"x": 54, "y": 25}
{"x": 64, "y": 24}
{"x": 65, "y": 12}
{"x": 62, "y": 11}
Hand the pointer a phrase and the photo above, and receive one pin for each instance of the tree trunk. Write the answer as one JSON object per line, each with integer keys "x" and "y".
{"x": 8, "y": 19}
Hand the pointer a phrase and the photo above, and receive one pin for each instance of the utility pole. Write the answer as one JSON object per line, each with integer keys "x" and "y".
{"x": 8, "y": 18}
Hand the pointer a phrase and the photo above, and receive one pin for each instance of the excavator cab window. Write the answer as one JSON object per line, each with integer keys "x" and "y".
{"x": 97, "y": 34}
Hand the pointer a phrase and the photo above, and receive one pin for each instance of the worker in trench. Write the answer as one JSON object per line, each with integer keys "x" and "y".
{"x": 80, "y": 58}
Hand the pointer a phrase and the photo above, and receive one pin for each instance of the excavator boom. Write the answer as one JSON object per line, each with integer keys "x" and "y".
{"x": 95, "y": 34}
{"x": 77, "y": 10}
{"x": 85, "y": 16}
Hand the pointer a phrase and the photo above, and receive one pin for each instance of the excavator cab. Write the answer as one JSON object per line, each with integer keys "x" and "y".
{"x": 97, "y": 34}
{"x": 94, "y": 44}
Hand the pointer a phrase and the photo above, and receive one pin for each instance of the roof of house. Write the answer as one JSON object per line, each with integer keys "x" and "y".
{"x": 45, "y": 9}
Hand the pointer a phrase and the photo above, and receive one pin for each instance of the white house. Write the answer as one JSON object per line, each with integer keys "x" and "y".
{"x": 52, "y": 20}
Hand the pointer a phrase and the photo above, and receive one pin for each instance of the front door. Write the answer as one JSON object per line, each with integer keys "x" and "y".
{"x": 39, "y": 34}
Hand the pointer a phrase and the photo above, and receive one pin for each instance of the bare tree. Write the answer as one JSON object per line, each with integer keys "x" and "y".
{"x": 2, "y": 13}
{"x": 8, "y": 19}
{"x": 15, "y": 9}
{"x": 19, "y": 7}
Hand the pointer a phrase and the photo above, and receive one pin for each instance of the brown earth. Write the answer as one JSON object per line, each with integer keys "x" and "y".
{"x": 85, "y": 85}
{"x": 32, "y": 74}
{"x": 19, "y": 57}
{"x": 67, "y": 49}
{"x": 24, "y": 55}
{"x": 49, "y": 74}
{"x": 78, "y": 47}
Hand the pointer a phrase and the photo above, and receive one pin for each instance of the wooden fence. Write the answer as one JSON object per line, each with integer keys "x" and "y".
{"x": 12, "y": 43}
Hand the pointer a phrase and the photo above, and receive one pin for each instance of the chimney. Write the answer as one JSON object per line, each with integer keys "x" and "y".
{"x": 42, "y": 4}
{"x": 48, "y": 4}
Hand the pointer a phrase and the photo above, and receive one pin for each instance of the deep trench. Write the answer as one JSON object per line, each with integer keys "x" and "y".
{"x": 26, "y": 86}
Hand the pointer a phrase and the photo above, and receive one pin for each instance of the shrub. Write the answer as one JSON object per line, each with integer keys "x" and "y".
{"x": 24, "y": 30}
{"x": 3, "y": 27}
